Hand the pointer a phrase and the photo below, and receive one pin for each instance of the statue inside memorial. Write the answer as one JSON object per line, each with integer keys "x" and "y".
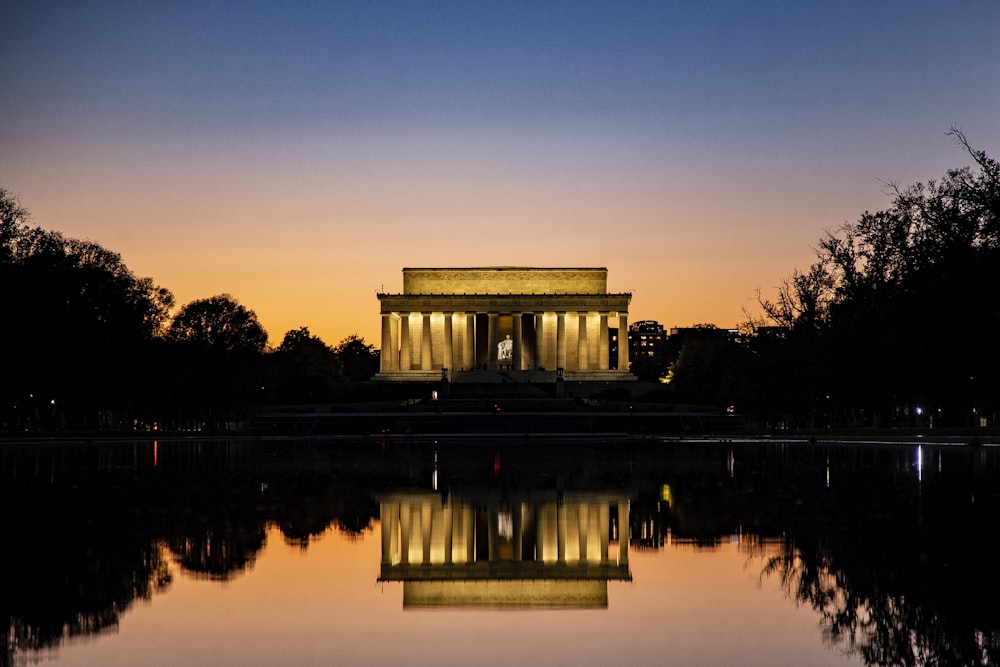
{"x": 505, "y": 353}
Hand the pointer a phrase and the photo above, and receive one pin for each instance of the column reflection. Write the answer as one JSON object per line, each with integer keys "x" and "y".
{"x": 496, "y": 549}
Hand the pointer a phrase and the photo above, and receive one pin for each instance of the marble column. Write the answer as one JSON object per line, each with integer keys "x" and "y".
{"x": 561, "y": 339}
{"x": 604, "y": 523}
{"x": 470, "y": 535}
{"x": 518, "y": 521}
{"x": 470, "y": 342}
{"x": 425, "y": 342}
{"x": 491, "y": 348}
{"x": 387, "y": 355}
{"x": 449, "y": 357}
{"x": 405, "y": 519}
{"x": 582, "y": 344}
{"x": 561, "y": 533}
{"x": 426, "y": 514}
{"x": 517, "y": 359}
{"x": 539, "y": 340}
{"x": 623, "y": 341}
{"x": 448, "y": 533}
{"x": 583, "y": 530}
{"x": 493, "y": 532}
{"x": 594, "y": 551}
{"x": 623, "y": 529}
{"x": 602, "y": 350}
{"x": 539, "y": 535}
{"x": 389, "y": 516}
{"x": 405, "y": 360}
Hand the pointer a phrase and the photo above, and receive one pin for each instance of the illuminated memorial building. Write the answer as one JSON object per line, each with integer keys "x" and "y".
{"x": 480, "y": 324}
{"x": 536, "y": 549}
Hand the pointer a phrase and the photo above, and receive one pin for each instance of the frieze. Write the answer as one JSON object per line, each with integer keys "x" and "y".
{"x": 501, "y": 280}
{"x": 521, "y": 302}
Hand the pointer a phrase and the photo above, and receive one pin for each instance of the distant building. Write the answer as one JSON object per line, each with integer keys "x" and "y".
{"x": 677, "y": 336}
{"x": 646, "y": 339}
{"x": 706, "y": 331}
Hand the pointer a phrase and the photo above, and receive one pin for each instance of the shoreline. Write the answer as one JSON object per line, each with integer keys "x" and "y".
{"x": 930, "y": 438}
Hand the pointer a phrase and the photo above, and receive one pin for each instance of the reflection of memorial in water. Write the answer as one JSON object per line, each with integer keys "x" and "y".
{"x": 535, "y": 549}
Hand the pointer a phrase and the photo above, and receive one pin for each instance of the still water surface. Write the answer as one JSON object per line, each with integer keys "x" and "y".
{"x": 460, "y": 552}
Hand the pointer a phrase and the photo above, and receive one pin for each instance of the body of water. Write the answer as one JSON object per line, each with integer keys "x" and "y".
{"x": 518, "y": 551}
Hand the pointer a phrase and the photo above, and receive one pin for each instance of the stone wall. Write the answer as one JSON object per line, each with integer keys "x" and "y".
{"x": 505, "y": 280}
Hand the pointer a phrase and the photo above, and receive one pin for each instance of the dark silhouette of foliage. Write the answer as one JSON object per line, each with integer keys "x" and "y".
{"x": 92, "y": 346}
{"x": 303, "y": 369}
{"x": 78, "y": 327}
{"x": 707, "y": 366}
{"x": 360, "y": 360}
{"x": 217, "y": 363}
{"x": 219, "y": 322}
{"x": 895, "y": 322}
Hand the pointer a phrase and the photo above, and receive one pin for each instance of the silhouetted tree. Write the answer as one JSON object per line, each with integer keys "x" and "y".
{"x": 360, "y": 360}
{"x": 708, "y": 366}
{"x": 218, "y": 348}
{"x": 219, "y": 322}
{"x": 303, "y": 368}
{"x": 899, "y": 311}
{"x": 78, "y": 324}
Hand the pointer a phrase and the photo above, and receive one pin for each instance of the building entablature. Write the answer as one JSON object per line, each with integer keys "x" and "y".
{"x": 484, "y": 303}
{"x": 505, "y": 279}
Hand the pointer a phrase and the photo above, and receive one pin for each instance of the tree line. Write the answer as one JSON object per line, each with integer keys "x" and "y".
{"x": 894, "y": 324}
{"x": 89, "y": 345}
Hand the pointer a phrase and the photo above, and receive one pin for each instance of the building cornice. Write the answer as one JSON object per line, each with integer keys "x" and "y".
{"x": 394, "y": 303}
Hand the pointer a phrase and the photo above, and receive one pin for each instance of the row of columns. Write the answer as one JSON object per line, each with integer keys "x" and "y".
{"x": 398, "y": 354}
{"x": 423, "y": 533}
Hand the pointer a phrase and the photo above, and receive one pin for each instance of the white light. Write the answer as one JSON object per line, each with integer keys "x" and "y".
{"x": 505, "y": 525}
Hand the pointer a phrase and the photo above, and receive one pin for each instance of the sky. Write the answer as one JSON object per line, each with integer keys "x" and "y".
{"x": 298, "y": 155}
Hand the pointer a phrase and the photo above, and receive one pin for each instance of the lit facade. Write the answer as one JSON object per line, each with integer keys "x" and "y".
{"x": 541, "y": 549}
{"x": 536, "y": 322}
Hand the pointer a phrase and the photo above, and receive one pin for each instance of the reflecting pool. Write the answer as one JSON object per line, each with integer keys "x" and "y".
{"x": 478, "y": 551}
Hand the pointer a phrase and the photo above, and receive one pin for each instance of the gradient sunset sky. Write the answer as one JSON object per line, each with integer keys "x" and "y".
{"x": 297, "y": 155}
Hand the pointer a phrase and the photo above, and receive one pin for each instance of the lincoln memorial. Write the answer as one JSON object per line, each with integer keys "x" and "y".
{"x": 527, "y": 324}
{"x": 493, "y": 549}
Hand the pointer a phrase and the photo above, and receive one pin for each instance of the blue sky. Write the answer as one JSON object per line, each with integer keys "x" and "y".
{"x": 297, "y": 155}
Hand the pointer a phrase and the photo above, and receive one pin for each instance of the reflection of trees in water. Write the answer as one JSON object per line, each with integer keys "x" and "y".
{"x": 93, "y": 523}
{"x": 305, "y": 506}
{"x": 892, "y": 622}
{"x": 213, "y": 525}
{"x": 898, "y": 568}
{"x": 220, "y": 551}
{"x": 81, "y": 559}
{"x": 895, "y": 566}
{"x": 895, "y": 560}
